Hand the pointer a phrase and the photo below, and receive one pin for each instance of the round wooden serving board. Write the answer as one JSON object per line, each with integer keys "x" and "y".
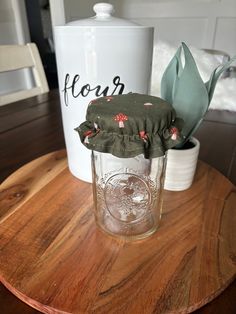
{"x": 53, "y": 257}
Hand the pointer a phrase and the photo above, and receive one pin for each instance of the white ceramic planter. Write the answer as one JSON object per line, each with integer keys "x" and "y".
{"x": 180, "y": 167}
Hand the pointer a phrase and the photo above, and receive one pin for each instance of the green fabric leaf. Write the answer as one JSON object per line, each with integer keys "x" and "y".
{"x": 189, "y": 94}
{"x": 169, "y": 77}
{"x": 183, "y": 87}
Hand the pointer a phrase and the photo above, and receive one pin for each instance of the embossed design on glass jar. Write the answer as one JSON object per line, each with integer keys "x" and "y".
{"x": 127, "y": 197}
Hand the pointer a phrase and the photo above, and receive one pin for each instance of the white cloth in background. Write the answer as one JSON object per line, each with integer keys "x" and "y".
{"x": 225, "y": 93}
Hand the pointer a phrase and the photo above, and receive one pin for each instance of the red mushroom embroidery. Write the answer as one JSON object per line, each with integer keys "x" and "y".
{"x": 120, "y": 117}
{"x": 174, "y": 133}
{"x": 143, "y": 136}
{"x": 87, "y": 134}
{"x": 92, "y": 102}
{"x": 109, "y": 98}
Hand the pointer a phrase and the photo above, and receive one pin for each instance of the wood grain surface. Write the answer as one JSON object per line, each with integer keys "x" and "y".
{"x": 54, "y": 258}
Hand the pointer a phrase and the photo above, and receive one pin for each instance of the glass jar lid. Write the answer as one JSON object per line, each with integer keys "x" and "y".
{"x": 130, "y": 124}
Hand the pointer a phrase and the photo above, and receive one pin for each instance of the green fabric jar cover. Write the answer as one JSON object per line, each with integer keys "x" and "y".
{"x": 129, "y": 125}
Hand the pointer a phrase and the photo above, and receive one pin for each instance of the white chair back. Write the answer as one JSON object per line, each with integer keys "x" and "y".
{"x": 16, "y": 57}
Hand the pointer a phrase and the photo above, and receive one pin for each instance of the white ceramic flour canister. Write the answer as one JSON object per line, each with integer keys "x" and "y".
{"x": 96, "y": 57}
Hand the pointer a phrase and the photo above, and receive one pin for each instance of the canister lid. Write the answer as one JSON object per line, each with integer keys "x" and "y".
{"x": 103, "y": 17}
{"x": 129, "y": 125}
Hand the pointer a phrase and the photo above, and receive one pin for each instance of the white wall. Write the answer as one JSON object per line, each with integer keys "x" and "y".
{"x": 202, "y": 23}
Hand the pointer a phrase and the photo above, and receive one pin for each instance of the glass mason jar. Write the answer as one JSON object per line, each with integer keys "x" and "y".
{"x": 127, "y": 194}
{"x": 128, "y": 135}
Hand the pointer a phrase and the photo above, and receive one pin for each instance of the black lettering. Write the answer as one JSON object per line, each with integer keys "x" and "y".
{"x": 116, "y": 82}
{"x": 86, "y": 89}
{"x": 67, "y": 78}
{"x": 102, "y": 93}
{"x": 75, "y": 80}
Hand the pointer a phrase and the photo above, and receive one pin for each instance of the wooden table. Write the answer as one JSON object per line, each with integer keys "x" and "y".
{"x": 32, "y": 128}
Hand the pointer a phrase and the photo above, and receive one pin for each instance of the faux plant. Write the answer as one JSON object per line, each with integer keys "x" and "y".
{"x": 183, "y": 87}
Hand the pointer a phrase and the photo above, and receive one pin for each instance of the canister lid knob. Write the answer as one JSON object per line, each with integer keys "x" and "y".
{"x": 103, "y": 9}
{"x": 103, "y": 17}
